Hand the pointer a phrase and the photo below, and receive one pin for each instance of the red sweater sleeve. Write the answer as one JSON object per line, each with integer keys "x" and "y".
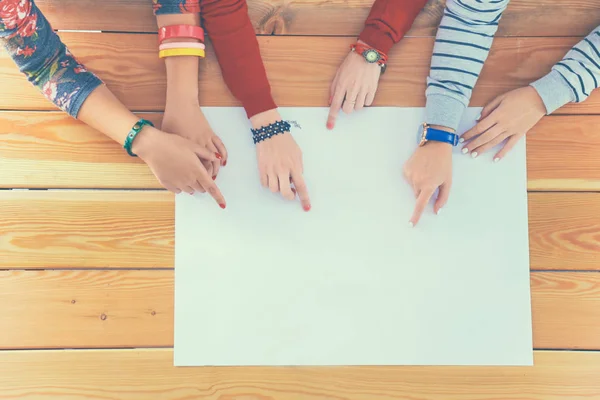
{"x": 388, "y": 21}
{"x": 233, "y": 38}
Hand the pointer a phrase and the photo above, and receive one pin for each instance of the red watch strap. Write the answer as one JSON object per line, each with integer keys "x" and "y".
{"x": 180, "y": 31}
{"x": 361, "y": 48}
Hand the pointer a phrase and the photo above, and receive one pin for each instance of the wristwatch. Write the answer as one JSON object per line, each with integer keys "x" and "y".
{"x": 371, "y": 55}
{"x": 427, "y": 133}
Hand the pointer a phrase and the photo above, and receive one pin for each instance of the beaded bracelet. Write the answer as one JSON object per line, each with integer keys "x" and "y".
{"x": 135, "y": 130}
{"x": 267, "y": 132}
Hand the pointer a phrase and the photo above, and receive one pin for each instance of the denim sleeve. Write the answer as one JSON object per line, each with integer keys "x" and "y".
{"x": 175, "y": 6}
{"x": 40, "y": 54}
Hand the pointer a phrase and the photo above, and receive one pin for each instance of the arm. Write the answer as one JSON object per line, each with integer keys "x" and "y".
{"x": 574, "y": 77}
{"x": 48, "y": 64}
{"x": 356, "y": 80}
{"x": 42, "y": 56}
{"x": 183, "y": 115}
{"x": 510, "y": 116}
{"x": 388, "y": 22}
{"x": 234, "y": 40}
{"x": 461, "y": 47}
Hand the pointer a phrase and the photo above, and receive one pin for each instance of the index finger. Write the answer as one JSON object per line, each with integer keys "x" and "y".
{"x": 302, "y": 190}
{"x": 211, "y": 187}
{"x": 422, "y": 201}
{"x": 480, "y": 127}
{"x": 336, "y": 105}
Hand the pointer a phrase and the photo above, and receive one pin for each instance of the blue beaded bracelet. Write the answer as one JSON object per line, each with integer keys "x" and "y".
{"x": 267, "y": 132}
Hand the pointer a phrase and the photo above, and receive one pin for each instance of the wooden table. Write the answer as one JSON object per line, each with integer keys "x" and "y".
{"x": 86, "y": 253}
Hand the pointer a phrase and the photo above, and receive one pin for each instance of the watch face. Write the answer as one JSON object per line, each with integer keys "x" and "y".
{"x": 371, "y": 56}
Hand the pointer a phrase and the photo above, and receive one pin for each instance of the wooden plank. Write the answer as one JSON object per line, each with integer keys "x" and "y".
{"x": 562, "y": 154}
{"x": 120, "y": 229}
{"x": 329, "y": 17}
{"x": 86, "y": 229}
{"x": 130, "y": 67}
{"x": 90, "y": 309}
{"x": 149, "y": 374}
{"x": 52, "y": 150}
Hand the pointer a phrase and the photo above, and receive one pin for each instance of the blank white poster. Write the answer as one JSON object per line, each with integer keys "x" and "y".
{"x": 350, "y": 283}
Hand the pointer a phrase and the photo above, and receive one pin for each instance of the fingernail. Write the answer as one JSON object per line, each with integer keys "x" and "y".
{"x": 218, "y": 156}
{"x": 496, "y": 159}
{"x": 225, "y": 163}
{"x": 461, "y": 140}
{"x": 306, "y": 208}
{"x": 464, "y": 150}
{"x": 410, "y": 224}
{"x": 478, "y": 117}
{"x": 330, "y": 125}
{"x": 439, "y": 211}
{"x": 214, "y": 178}
{"x": 222, "y": 205}
{"x": 474, "y": 154}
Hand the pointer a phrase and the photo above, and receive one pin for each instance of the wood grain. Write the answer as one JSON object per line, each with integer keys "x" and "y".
{"x": 120, "y": 229}
{"x": 52, "y": 150}
{"x": 93, "y": 309}
{"x": 86, "y": 229}
{"x": 149, "y": 374}
{"x": 130, "y": 67}
{"x": 328, "y": 17}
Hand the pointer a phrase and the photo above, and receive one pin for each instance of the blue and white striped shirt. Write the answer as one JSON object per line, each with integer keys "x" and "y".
{"x": 573, "y": 78}
{"x": 461, "y": 47}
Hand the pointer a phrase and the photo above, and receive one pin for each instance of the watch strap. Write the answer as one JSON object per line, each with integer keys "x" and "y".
{"x": 438, "y": 135}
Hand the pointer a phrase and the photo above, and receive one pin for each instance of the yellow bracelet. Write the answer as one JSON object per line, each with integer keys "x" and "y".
{"x": 181, "y": 52}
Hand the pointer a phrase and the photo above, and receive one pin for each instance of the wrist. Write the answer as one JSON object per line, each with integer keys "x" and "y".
{"x": 265, "y": 118}
{"x": 144, "y": 142}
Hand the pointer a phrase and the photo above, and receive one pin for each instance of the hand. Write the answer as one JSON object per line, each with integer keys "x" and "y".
{"x": 429, "y": 168}
{"x": 280, "y": 162}
{"x": 353, "y": 87}
{"x": 177, "y": 162}
{"x": 509, "y": 116}
{"x": 185, "y": 118}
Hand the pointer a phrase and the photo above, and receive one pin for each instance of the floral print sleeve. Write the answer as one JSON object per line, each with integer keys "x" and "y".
{"x": 176, "y": 6}
{"x": 42, "y": 57}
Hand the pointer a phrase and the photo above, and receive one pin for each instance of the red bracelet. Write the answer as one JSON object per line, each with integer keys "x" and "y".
{"x": 180, "y": 31}
{"x": 370, "y": 54}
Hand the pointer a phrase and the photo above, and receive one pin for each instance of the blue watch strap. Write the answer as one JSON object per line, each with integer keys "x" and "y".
{"x": 439, "y": 135}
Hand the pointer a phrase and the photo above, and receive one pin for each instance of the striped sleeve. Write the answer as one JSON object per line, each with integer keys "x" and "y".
{"x": 461, "y": 47}
{"x": 574, "y": 77}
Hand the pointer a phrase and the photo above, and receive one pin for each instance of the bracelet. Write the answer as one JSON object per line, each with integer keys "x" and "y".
{"x": 181, "y": 52}
{"x": 135, "y": 130}
{"x": 266, "y": 132}
{"x": 180, "y": 31}
{"x": 181, "y": 45}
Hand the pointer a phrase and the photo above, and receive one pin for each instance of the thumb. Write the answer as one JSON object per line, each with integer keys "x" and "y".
{"x": 204, "y": 154}
{"x": 442, "y": 198}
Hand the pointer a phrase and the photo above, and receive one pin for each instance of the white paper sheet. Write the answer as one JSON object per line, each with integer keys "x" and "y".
{"x": 350, "y": 283}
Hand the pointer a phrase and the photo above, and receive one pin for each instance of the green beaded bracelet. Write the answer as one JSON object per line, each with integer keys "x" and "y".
{"x": 137, "y": 128}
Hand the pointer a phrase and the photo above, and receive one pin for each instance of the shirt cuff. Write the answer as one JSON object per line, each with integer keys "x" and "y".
{"x": 258, "y": 102}
{"x": 444, "y": 111}
{"x": 374, "y": 37}
{"x": 82, "y": 94}
{"x": 554, "y": 91}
